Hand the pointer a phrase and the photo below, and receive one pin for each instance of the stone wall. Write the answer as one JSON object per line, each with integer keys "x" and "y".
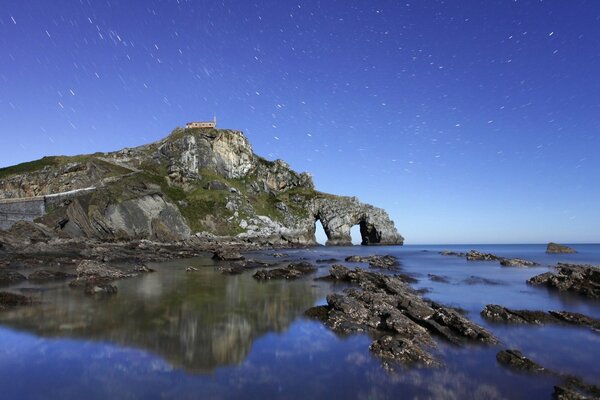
{"x": 30, "y": 208}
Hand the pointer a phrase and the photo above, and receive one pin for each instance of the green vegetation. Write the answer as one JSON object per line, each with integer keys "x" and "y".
{"x": 29, "y": 166}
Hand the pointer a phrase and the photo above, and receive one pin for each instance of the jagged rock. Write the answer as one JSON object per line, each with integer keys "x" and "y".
{"x": 292, "y": 271}
{"x": 555, "y": 248}
{"x": 498, "y": 313}
{"x": 515, "y": 360}
{"x": 45, "y": 275}
{"x": 375, "y": 261}
{"x": 227, "y": 255}
{"x": 581, "y": 279}
{"x": 93, "y": 273}
{"x": 386, "y": 306}
{"x": 9, "y": 277}
{"x": 142, "y": 269}
{"x": 517, "y": 262}
{"x": 8, "y": 299}
{"x": 475, "y": 255}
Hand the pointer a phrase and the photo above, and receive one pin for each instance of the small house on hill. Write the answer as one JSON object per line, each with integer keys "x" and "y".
{"x": 202, "y": 124}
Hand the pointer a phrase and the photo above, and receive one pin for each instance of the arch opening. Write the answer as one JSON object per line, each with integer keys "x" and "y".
{"x": 321, "y": 236}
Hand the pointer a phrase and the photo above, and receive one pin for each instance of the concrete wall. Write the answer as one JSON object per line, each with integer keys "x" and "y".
{"x": 30, "y": 208}
{"x": 13, "y": 210}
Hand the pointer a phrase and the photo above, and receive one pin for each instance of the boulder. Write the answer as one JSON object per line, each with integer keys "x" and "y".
{"x": 227, "y": 255}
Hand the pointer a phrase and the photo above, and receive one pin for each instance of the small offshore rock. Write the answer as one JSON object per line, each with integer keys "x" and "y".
{"x": 191, "y": 269}
{"x": 227, "y": 255}
{"x": 326, "y": 260}
{"x": 581, "y": 279}
{"x": 279, "y": 255}
{"x": 517, "y": 262}
{"x": 453, "y": 253}
{"x": 478, "y": 280}
{"x": 376, "y": 261}
{"x": 292, "y": 271}
{"x": 402, "y": 350}
{"x": 143, "y": 269}
{"x": 438, "y": 278}
{"x": 45, "y": 275}
{"x": 515, "y": 360}
{"x": 8, "y": 299}
{"x": 555, "y": 248}
{"x": 494, "y": 312}
{"x": 10, "y": 277}
{"x": 475, "y": 255}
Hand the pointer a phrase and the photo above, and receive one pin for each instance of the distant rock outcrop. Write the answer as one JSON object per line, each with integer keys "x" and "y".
{"x": 555, "y": 248}
{"x": 195, "y": 181}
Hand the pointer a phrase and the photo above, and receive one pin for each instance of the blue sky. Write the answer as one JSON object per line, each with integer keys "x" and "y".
{"x": 469, "y": 121}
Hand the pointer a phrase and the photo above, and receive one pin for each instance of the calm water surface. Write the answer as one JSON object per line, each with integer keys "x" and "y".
{"x": 175, "y": 334}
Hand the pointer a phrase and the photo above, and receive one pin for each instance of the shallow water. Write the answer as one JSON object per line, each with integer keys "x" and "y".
{"x": 175, "y": 334}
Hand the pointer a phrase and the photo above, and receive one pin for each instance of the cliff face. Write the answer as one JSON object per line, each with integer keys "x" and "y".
{"x": 193, "y": 181}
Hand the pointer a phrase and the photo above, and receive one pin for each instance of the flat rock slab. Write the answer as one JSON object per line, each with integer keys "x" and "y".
{"x": 292, "y": 271}
{"x": 581, "y": 279}
{"x": 375, "y": 261}
{"x": 498, "y": 313}
{"x": 404, "y": 323}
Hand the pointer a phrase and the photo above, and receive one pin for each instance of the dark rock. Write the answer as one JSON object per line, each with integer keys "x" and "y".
{"x": 555, "y": 248}
{"x": 388, "y": 308}
{"x": 279, "y": 255}
{"x": 8, "y": 299}
{"x": 498, "y": 313}
{"x": 438, "y": 278}
{"x": 242, "y": 266}
{"x": 375, "y": 261}
{"x": 319, "y": 313}
{"x": 403, "y": 351}
{"x": 108, "y": 289}
{"x": 495, "y": 312}
{"x": 515, "y": 360}
{"x": 90, "y": 272}
{"x": 517, "y": 262}
{"x": 292, "y": 271}
{"x": 581, "y": 279}
{"x": 10, "y": 277}
{"x": 475, "y": 255}
{"x": 453, "y": 253}
{"x": 142, "y": 269}
{"x": 45, "y": 275}
{"x": 326, "y": 260}
{"x": 477, "y": 280}
{"x": 227, "y": 255}
{"x": 563, "y": 393}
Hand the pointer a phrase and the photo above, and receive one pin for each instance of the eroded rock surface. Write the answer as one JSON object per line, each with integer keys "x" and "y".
{"x": 516, "y": 361}
{"x": 475, "y": 255}
{"x": 376, "y": 261}
{"x": 498, "y": 313}
{"x": 581, "y": 279}
{"x": 403, "y": 322}
{"x": 292, "y": 271}
{"x": 517, "y": 262}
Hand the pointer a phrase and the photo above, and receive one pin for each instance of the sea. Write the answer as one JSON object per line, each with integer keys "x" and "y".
{"x": 174, "y": 334}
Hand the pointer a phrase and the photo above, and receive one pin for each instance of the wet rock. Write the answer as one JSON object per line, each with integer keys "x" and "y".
{"x": 453, "y": 253}
{"x": 555, "y": 248}
{"x": 515, "y": 360}
{"x": 375, "y": 261}
{"x": 403, "y": 351}
{"x": 475, "y": 255}
{"x": 319, "y": 313}
{"x": 45, "y": 275}
{"x": 292, "y": 271}
{"x": 327, "y": 260}
{"x": 9, "y": 300}
{"x": 581, "y": 279}
{"x": 108, "y": 289}
{"x": 142, "y": 269}
{"x": 404, "y": 323}
{"x": 90, "y": 272}
{"x": 478, "y": 280}
{"x": 10, "y": 277}
{"x": 191, "y": 269}
{"x": 498, "y": 313}
{"x": 279, "y": 255}
{"x": 243, "y": 266}
{"x": 495, "y": 312}
{"x": 227, "y": 255}
{"x": 563, "y": 393}
{"x": 517, "y": 262}
{"x": 438, "y": 278}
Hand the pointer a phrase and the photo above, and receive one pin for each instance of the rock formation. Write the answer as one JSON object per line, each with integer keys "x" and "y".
{"x": 581, "y": 279}
{"x": 555, "y": 248}
{"x": 195, "y": 181}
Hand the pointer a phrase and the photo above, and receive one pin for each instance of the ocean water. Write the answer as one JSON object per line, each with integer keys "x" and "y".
{"x": 175, "y": 334}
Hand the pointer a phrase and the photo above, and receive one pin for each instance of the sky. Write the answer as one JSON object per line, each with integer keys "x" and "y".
{"x": 468, "y": 121}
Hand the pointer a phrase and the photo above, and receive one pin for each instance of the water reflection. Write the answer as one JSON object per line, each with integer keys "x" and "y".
{"x": 197, "y": 321}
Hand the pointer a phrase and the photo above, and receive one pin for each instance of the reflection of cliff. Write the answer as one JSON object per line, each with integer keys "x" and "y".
{"x": 196, "y": 321}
